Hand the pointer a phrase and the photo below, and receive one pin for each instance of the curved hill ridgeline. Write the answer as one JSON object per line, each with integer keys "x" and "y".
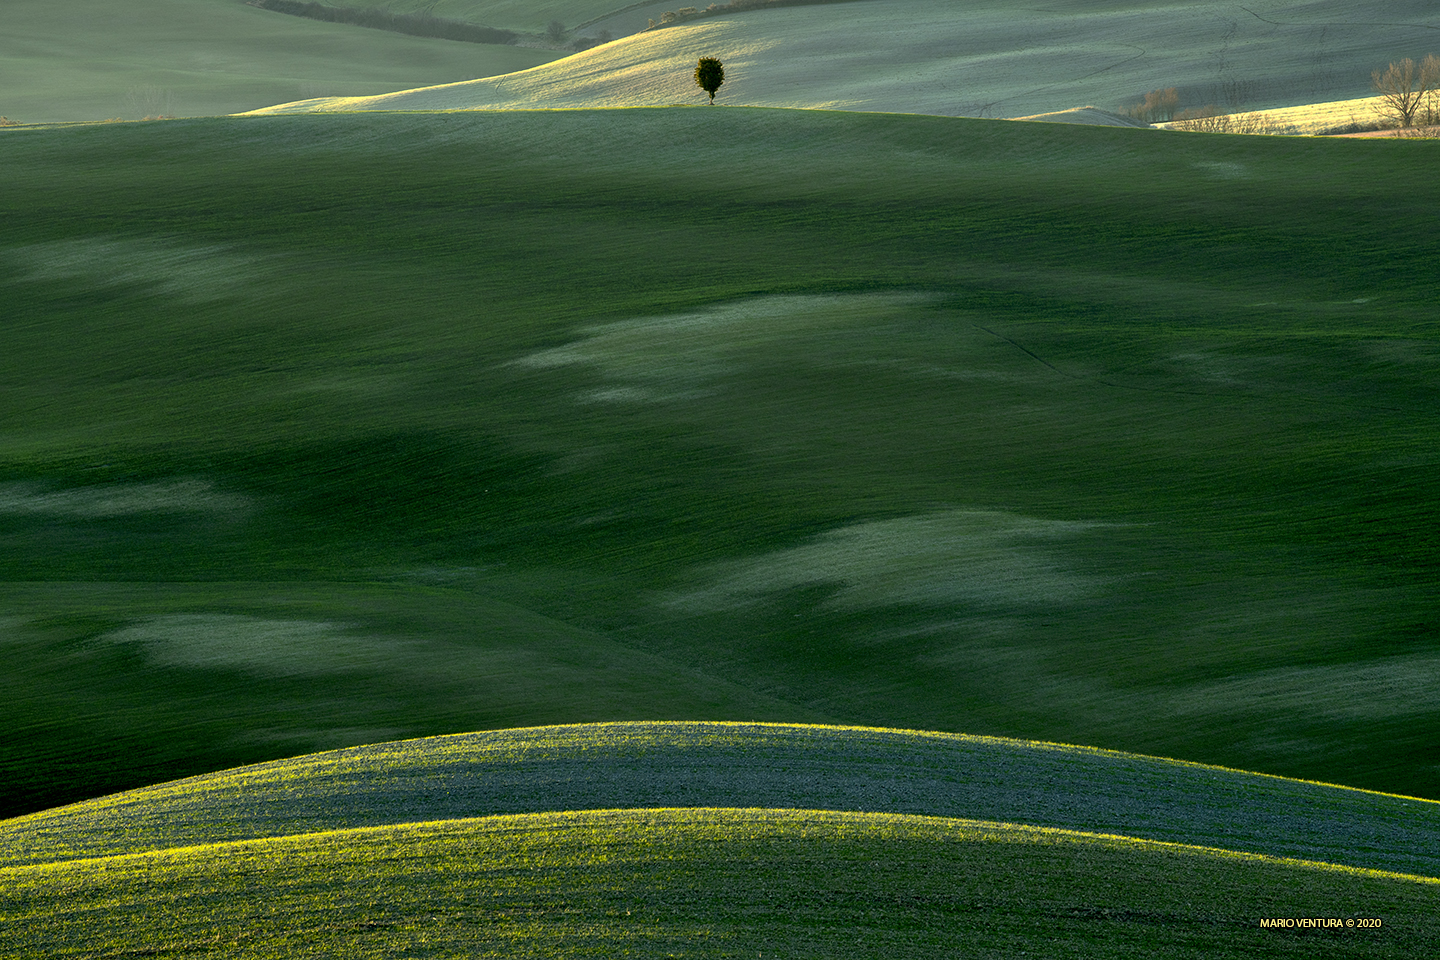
{"x": 95, "y": 60}
{"x": 414, "y": 24}
{"x": 709, "y": 882}
{"x": 985, "y": 59}
{"x": 651, "y": 765}
{"x": 532, "y": 16}
{"x": 586, "y": 19}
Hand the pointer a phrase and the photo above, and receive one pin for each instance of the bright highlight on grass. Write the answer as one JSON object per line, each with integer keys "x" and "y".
{"x": 710, "y": 882}
{"x": 627, "y": 765}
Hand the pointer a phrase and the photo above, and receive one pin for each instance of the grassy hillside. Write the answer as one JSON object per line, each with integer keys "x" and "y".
{"x": 706, "y": 883}
{"x": 988, "y": 58}
{"x": 96, "y": 60}
{"x": 654, "y": 765}
{"x": 532, "y": 16}
{"x": 419, "y": 846}
{"x": 319, "y": 431}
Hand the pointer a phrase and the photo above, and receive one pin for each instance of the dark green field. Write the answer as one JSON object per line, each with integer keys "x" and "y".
{"x": 329, "y": 430}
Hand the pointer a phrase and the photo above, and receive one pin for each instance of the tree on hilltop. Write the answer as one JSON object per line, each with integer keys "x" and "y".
{"x": 709, "y": 75}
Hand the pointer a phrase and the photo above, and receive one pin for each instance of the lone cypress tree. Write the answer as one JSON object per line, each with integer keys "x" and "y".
{"x": 709, "y": 75}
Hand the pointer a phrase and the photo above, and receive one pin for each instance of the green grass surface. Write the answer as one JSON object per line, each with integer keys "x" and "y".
{"x": 627, "y": 766}
{"x": 97, "y": 60}
{"x": 706, "y": 883}
{"x": 312, "y": 427}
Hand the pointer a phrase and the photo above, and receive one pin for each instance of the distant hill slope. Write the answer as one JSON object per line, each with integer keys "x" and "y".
{"x": 581, "y": 19}
{"x": 641, "y": 765}
{"x": 526, "y": 15}
{"x": 96, "y": 59}
{"x": 991, "y": 58}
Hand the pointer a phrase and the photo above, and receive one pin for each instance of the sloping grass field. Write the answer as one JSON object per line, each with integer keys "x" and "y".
{"x": 987, "y": 58}
{"x": 321, "y": 431}
{"x": 746, "y": 765}
{"x": 99, "y": 60}
{"x": 707, "y": 883}
{"x": 531, "y": 16}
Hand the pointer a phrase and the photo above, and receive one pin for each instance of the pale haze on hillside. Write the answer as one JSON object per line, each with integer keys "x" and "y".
{"x": 986, "y": 59}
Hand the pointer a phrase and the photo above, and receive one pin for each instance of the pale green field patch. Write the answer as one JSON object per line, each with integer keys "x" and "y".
{"x": 1368, "y": 690}
{"x": 189, "y": 272}
{"x": 272, "y": 647}
{"x": 683, "y": 355}
{"x": 930, "y": 371}
{"x": 118, "y": 500}
{"x": 1223, "y": 169}
{"x": 985, "y": 558}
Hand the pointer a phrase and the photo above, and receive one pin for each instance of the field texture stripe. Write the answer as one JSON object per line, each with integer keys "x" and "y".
{"x": 952, "y": 827}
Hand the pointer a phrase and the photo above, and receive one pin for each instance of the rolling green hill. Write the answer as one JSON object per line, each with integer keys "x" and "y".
{"x": 320, "y": 431}
{"x": 97, "y": 60}
{"x": 707, "y": 883}
{"x": 402, "y": 848}
{"x": 987, "y": 58}
{"x": 746, "y": 765}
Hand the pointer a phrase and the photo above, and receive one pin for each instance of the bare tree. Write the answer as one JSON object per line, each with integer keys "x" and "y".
{"x": 1157, "y": 107}
{"x": 1430, "y": 67}
{"x": 1403, "y": 88}
{"x": 151, "y": 102}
